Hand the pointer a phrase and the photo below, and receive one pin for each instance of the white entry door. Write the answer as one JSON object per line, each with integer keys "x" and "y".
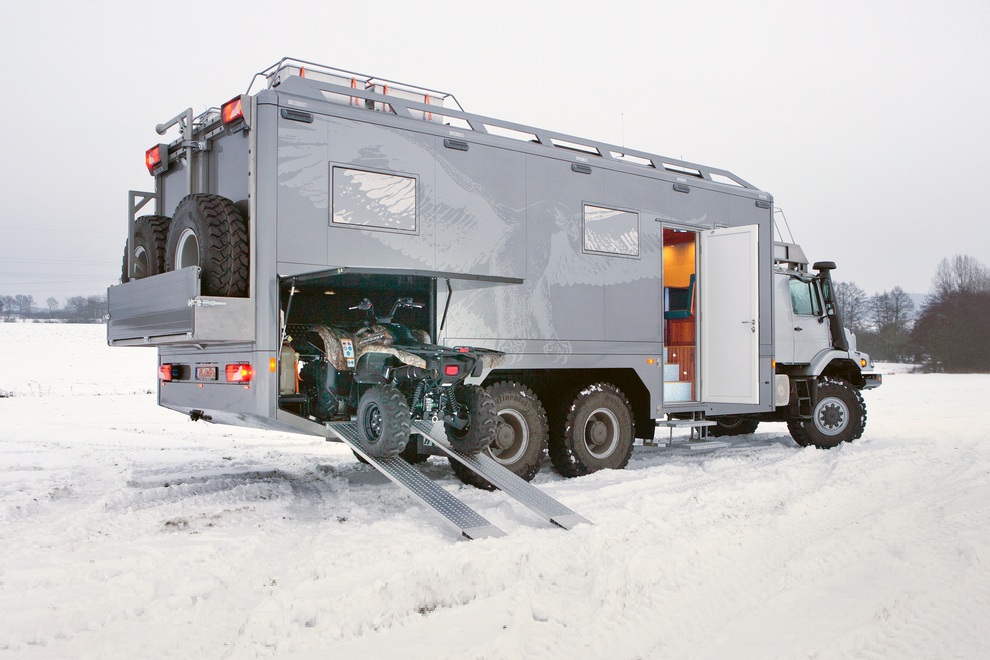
{"x": 729, "y": 319}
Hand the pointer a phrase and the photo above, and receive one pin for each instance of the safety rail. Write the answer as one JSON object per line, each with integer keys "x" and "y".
{"x": 374, "y": 93}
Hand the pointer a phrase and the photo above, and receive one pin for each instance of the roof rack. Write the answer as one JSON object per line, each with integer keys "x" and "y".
{"x": 383, "y": 95}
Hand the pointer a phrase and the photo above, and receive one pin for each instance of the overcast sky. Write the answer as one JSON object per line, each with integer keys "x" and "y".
{"x": 867, "y": 121}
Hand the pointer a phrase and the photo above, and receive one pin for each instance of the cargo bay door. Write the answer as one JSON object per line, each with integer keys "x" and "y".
{"x": 729, "y": 299}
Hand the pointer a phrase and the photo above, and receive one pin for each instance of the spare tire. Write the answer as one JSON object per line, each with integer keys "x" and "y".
{"x": 209, "y": 232}
{"x": 148, "y": 258}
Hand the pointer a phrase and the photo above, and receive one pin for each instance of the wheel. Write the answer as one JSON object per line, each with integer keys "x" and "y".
{"x": 150, "y": 238}
{"x": 593, "y": 431}
{"x": 477, "y": 405}
{"x": 839, "y": 416}
{"x": 520, "y": 434}
{"x": 732, "y": 426}
{"x": 383, "y": 421}
{"x": 208, "y": 231}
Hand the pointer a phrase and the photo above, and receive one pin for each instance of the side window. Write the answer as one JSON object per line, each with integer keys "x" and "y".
{"x": 610, "y": 231}
{"x": 804, "y": 298}
{"x": 373, "y": 199}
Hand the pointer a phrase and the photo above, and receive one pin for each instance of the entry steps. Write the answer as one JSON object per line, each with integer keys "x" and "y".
{"x": 466, "y": 520}
{"x": 698, "y": 439}
{"x": 678, "y": 362}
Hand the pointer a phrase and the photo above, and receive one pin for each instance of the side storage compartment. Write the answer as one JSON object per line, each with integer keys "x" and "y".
{"x": 168, "y": 309}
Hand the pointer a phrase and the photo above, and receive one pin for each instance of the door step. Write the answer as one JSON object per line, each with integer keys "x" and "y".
{"x": 505, "y": 480}
{"x": 466, "y": 520}
{"x": 698, "y": 427}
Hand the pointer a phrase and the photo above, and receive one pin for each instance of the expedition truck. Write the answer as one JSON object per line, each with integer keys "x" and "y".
{"x": 334, "y": 250}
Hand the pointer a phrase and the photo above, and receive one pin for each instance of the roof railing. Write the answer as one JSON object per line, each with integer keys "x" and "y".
{"x": 380, "y": 94}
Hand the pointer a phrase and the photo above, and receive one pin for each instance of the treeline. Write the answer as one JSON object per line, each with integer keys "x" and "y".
{"x": 77, "y": 309}
{"x": 950, "y": 332}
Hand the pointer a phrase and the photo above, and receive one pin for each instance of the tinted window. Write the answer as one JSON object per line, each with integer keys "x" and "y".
{"x": 373, "y": 199}
{"x": 611, "y": 231}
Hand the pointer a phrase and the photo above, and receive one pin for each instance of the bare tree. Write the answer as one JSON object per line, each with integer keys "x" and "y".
{"x": 24, "y": 303}
{"x": 891, "y": 314}
{"x": 961, "y": 273}
{"x": 853, "y": 305}
{"x": 52, "y": 304}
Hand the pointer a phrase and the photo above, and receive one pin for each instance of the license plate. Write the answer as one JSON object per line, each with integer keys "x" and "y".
{"x": 206, "y": 373}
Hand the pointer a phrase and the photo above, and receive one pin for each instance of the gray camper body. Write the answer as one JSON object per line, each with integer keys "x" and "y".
{"x": 544, "y": 246}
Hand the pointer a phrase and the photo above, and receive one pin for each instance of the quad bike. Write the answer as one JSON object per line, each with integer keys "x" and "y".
{"x": 383, "y": 375}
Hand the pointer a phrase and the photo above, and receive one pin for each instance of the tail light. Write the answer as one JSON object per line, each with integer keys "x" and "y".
{"x": 451, "y": 370}
{"x": 165, "y": 372}
{"x": 239, "y": 373}
{"x": 156, "y": 159}
{"x": 232, "y": 114}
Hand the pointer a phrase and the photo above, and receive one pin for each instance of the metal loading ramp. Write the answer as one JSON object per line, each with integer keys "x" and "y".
{"x": 454, "y": 512}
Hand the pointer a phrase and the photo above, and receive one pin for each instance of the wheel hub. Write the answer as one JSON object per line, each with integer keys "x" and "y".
{"x": 505, "y": 435}
{"x": 598, "y": 433}
{"x": 831, "y": 416}
{"x": 374, "y": 424}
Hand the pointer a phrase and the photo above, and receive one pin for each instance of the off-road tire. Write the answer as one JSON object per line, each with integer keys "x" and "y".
{"x": 727, "y": 426}
{"x": 221, "y": 244}
{"x": 521, "y": 434}
{"x": 383, "y": 421}
{"x": 839, "y": 416}
{"x": 150, "y": 239}
{"x": 593, "y": 430}
{"x": 480, "y": 410}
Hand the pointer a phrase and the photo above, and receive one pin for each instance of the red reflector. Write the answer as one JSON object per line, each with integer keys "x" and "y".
{"x": 239, "y": 373}
{"x": 153, "y": 158}
{"x": 232, "y": 111}
{"x": 165, "y": 372}
{"x": 463, "y": 349}
{"x": 451, "y": 370}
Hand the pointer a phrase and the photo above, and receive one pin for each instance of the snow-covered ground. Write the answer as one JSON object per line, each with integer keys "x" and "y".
{"x": 128, "y": 531}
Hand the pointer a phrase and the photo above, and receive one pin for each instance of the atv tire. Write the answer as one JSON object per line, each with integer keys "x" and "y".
{"x": 477, "y": 405}
{"x": 383, "y": 421}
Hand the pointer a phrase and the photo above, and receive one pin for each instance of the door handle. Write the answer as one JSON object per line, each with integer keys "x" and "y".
{"x": 798, "y": 328}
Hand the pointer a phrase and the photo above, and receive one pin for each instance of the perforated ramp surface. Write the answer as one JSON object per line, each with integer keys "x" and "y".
{"x": 466, "y": 520}
{"x": 505, "y": 480}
